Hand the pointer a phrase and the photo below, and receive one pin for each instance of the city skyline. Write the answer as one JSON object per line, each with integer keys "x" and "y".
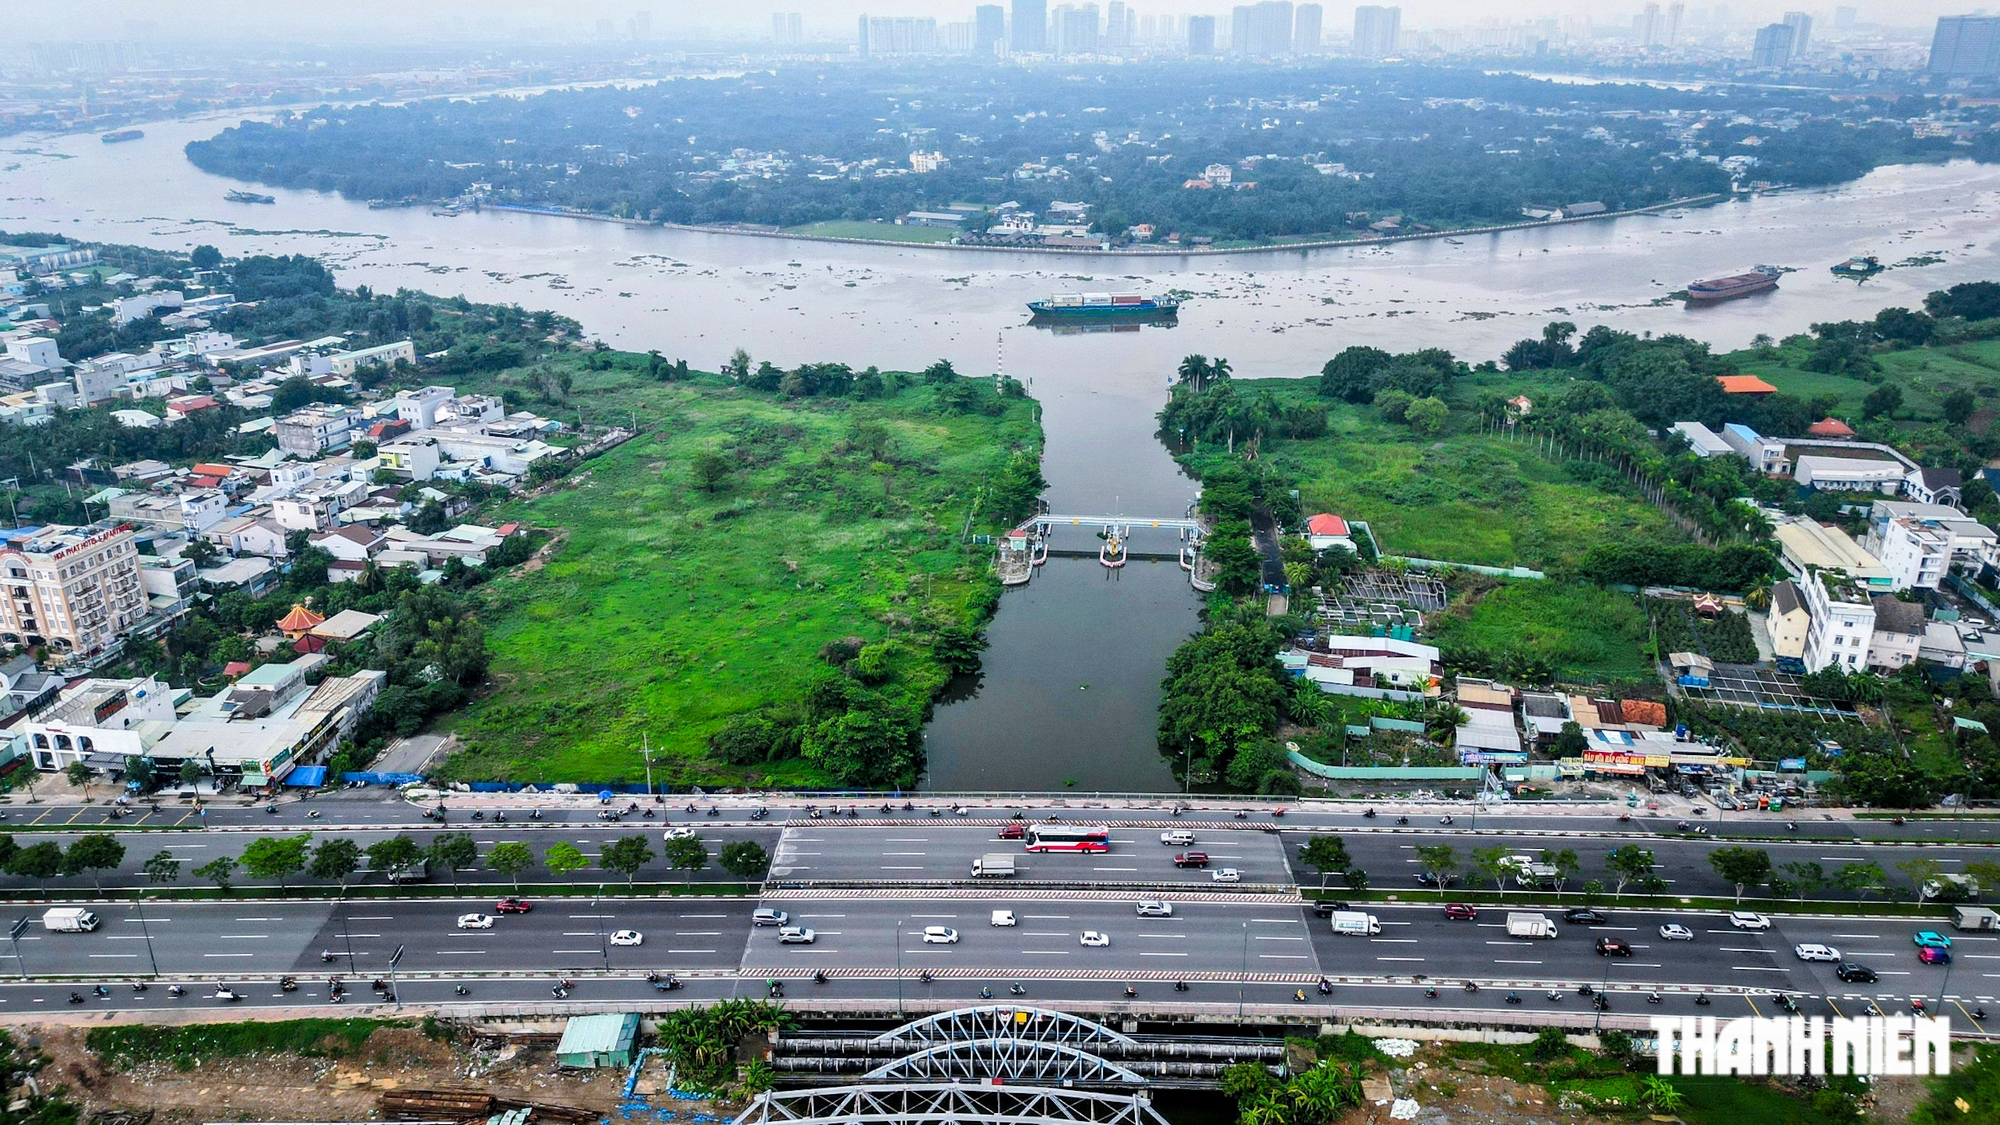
{"x": 666, "y": 19}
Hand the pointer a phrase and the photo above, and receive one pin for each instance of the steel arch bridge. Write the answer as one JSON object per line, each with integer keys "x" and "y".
{"x": 946, "y": 1104}
{"x": 1043, "y": 1026}
{"x": 1014, "y": 1060}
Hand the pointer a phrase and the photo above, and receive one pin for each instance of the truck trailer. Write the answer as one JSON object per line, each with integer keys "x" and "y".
{"x": 1356, "y": 923}
{"x": 1530, "y": 926}
{"x": 996, "y": 866}
{"x": 70, "y": 920}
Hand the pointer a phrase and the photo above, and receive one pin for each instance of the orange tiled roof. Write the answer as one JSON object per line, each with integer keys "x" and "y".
{"x": 300, "y": 620}
{"x": 1744, "y": 385}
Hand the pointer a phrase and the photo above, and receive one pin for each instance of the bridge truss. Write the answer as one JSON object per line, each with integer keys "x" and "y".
{"x": 1014, "y": 1060}
{"x": 946, "y": 1104}
{"x": 1000, "y": 1021}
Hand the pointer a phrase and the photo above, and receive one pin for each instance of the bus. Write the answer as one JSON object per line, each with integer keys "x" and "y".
{"x": 1068, "y": 838}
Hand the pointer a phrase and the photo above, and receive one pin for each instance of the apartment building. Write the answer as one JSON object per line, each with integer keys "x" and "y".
{"x": 1843, "y": 623}
{"x": 312, "y": 430}
{"x": 74, "y": 588}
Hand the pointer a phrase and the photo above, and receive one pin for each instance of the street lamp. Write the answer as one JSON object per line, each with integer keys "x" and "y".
{"x": 148, "y": 934}
{"x": 1243, "y": 975}
{"x": 896, "y": 937}
{"x": 347, "y": 935}
{"x": 597, "y": 916}
{"x": 646, "y": 748}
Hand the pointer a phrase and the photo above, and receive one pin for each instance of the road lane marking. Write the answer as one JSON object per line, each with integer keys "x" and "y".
{"x": 1416, "y": 959}
{"x": 577, "y": 951}
{"x": 244, "y": 937}
{"x": 711, "y": 951}
{"x": 1499, "y": 961}
{"x": 1045, "y": 933}
{"x": 902, "y": 853}
{"x": 222, "y": 955}
{"x": 1050, "y": 952}
{"x": 1760, "y": 969}
{"x": 1142, "y": 955}
{"x": 893, "y": 867}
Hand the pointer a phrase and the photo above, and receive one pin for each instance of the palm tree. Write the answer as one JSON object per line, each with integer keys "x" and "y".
{"x": 1193, "y": 369}
{"x": 1441, "y": 725}
{"x": 1218, "y": 368}
{"x": 1297, "y": 574}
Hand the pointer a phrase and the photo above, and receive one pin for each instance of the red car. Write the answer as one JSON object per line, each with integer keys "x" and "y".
{"x": 1459, "y": 911}
{"x": 1191, "y": 859}
{"x": 1012, "y": 832}
{"x": 513, "y": 906}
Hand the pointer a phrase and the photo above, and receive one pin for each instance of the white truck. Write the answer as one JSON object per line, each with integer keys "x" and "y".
{"x": 996, "y": 866}
{"x": 1530, "y": 926}
{"x": 1974, "y": 918}
{"x": 1355, "y": 922}
{"x": 1535, "y": 876}
{"x": 70, "y": 920}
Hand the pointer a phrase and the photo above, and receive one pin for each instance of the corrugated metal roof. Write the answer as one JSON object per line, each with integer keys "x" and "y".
{"x": 594, "y": 1034}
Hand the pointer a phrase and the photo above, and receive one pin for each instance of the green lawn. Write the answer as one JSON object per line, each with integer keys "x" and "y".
{"x": 669, "y": 610}
{"x": 1583, "y": 632}
{"x": 1464, "y": 497}
{"x": 885, "y": 232}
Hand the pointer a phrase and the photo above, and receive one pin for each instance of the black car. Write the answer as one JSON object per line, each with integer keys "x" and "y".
{"x": 1855, "y": 974}
{"x": 1585, "y": 916}
{"x": 1426, "y": 879}
{"x": 1326, "y": 906}
{"x": 1613, "y": 947}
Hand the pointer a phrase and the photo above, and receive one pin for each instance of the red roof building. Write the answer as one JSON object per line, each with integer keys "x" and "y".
{"x": 1326, "y": 524}
{"x": 1744, "y": 385}
{"x": 1830, "y": 428}
{"x": 191, "y": 403}
{"x": 299, "y": 622}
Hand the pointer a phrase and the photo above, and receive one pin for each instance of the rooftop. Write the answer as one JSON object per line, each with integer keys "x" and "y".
{"x": 1744, "y": 385}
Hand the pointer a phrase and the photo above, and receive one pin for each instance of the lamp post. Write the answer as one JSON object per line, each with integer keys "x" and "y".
{"x": 597, "y": 916}
{"x": 896, "y": 937}
{"x": 347, "y": 935}
{"x": 646, "y": 748}
{"x": 1243, "y": 975}
{"x": 147, "y": 933}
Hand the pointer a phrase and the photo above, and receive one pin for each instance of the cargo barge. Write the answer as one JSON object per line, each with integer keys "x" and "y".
{"x": 118, "y": 135}
{"x": 1103, "y": 306}
{"x": 1734, "y": 286}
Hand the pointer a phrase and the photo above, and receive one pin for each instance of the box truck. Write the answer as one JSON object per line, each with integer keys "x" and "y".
{"x": 993, "y": 867}
{"x": 1974, "y": 918}
{"x": 1355, "y": 922}
{"x": 1530, "y": 926}
{"x": 70, "y": 920}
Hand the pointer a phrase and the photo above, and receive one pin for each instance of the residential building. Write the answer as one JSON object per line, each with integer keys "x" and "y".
{"x": 1772, "y": 49}
{"x": 1325, "y": 531}
{"x": 254, "y": 576}
{"x": 248, "y": 535}
{"x": 24, "y": 686}
{"x": 989, "y": 29}
{"x": 1898, "y": 635}
{"x": 1972, "y": 542}
{"x": 312, "y": 430}
{"x": 1766, "y": 455}
{"x": 1966, "y": 47}
{"x": 1833, "y": 429}
{"x": 1801, "y": 25}
{"x": 1376, "y": 30}
{"x": 1201, "y": 35}
{"x": 170, "y": 584}
{"x": 1843, "y": 622}
{"x": 1807, "y": 545}
{"x": 99, "y": 722}
{"x": 74, "y": 588}
{"x": 412, "y": 456}
{"x": 420, "y": 408}
{"x": 1934, "y": 486}
{"x": 1262, "y": 30}
{"x": 1031, "y": 27}
{"x": 314, "y": 507}
{"x": 1848, "y": 474}
{"x": 1306, "y": 29}
{"x": 1788, "y": 623}
{"x": 511, "y": 456}
{"x": 1917, "y": 553}
{"x": 153, "y": 509}
{"x": 1702, "y": 441}
{"x": 1748, "y": 386}
{"x": 1942, "y": 645}
{"x": 202, "y": 509}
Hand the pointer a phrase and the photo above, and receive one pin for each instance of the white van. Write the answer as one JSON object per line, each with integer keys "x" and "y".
{"x": 1003, "y": 917}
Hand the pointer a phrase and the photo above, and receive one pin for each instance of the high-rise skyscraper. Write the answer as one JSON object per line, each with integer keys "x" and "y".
{"x": 1676, "y": 16}
{"x": 1648, "y": 25}
{"x": 1801, "y": 25}
{"x": 1261, "y": 30}
{"x": 1114, "y": 25}
{"x": 1773, "y": 47}
{"x": 1031, "y": 27}
{"x": 1306, "y": 29}
{"x": 1076, "y": 30}
{"x": 1376, "y": 30}
{"x": 1966, "y": 47}
{"x": 787, "y": 28}
{"x": 1201, "y": 35}
{"x": 989, "y": 29}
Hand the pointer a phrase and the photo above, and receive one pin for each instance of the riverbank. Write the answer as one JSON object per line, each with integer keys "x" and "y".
{"x": 758, "y": 589}
{"x": 944, "y": 243}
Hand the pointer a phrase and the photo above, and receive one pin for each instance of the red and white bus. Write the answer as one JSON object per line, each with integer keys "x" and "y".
{"x": 1068, "y": 838}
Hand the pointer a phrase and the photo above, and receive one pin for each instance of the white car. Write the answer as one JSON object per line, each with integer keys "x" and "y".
{"x": 475, "y": 921}
{"x": 1154, "y": 908}
{"x": 796, "y": 935}
{"x": 627, "y": 937}
{"x": 1813, "y": 951}
{"x": 1178, "y": 838}
{"x": 1096, "y": 940}
{"x": 1674, "y": 931}
{"x": 940, "y": 935}
{"x": 1226, "y": 875}
{"x": 681, "y": 833}
{"x": 1748, "y": 920}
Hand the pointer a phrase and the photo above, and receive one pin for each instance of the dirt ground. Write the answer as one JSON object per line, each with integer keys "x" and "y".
{"x": 1466, "y": 1099}
{"x": 288, "y": 1088}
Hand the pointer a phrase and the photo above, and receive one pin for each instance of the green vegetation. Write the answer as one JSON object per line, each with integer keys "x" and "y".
{"x": 1973, "y": 1082}
{"x": 43, "y": 1106}
{"x": 789, "y": 619}
{"x": 1544, "y": 630}
{"x": 1678, "y": 628}
{"x": 184, "y": 1047}
{"x": 701, "y": 1043}
{"x": 882, "y": 232}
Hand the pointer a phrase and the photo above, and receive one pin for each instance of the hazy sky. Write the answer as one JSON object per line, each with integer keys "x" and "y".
{"x": 428, "y": 19}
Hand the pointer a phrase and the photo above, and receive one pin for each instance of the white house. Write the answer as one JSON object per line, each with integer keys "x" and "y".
{"x": 1325, "y": 531}
{"x": 1934, "y": 486}
{"x": 1788, "y": 622}
{"x": 1899, "y": 633}
{"x": 1849, "y": 474}
{"x": 247, "y": 535}
{"x": 1843, "y": 623}
{"x": 1767, "y": 455}
{"x": 1916, "y": 553}
{"x": 1702, "y": 441}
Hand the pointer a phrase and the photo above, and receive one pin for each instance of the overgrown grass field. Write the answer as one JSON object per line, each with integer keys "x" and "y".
{"x": 1462, "y": 497}
{"x": 671, "y": 608}
{"x": 1579, "y": 631}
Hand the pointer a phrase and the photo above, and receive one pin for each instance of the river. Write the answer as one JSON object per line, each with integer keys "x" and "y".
{"x": 1070, "y": 687}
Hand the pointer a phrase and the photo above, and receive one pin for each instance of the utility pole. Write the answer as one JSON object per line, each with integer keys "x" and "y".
{"x": 646, "y": 748}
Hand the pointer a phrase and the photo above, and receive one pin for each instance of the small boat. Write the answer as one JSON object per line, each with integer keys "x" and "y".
{"x": 1112, "y": 553}
{"x": 249, "y": 197}
{"x": 1863, "y": 265}
{"x": 1039, "y": 553}
{"x": 117, "y": 136}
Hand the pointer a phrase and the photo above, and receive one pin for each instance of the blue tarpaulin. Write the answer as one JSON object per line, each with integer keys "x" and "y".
{"x": 307, "y": 777}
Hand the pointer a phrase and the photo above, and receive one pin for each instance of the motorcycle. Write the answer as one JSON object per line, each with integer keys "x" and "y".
{"x": 1601, "y": 1003}
{"x": 1368, "y": 814}
{"x": 100, "y": 991}
{"x": 1431, "y": 993}
{"x": 228, "y": 994}
{"x": 139, "y": 986}
{"x": 1299, "y": 995}
{"x": 461, "y": 990}
{"x": 1555, "y": 996}
{"x": 1899, "y": 822}
{"x": 559, "y": 992}
{"x": 272, "y": 809}
{"x": 1623, "y": 817}
{"x": 1788, "y": 1004}
{"x": 1017, "y": 990}
{"x": 1444, "y": 820}
{"x": 534, "y": 814}
{"x": 926, "y": 976}
{"x": 1513, "y": 998}
{"x": 176, "y": 991}
{"x": 775, "y": 990}
{"x": 288, "y": 984}
{"x": 1402, "y": 820}
{"x": 1791, "y": 826}
{"x": 1472, "y": 986}
{"x": 1278, "y": 813}
{"x": 76, "y": 997}
{"x": 379, "y": 985}
{"x": 1130, "y": 992}
{"x": 1979, "y": 1015}
{"x": 313, "y": 815}
{"x": 1242, "y": 815}
{"x": 1584, "y": 990}
{"x": 1325, "y": 988}
{"x": 479, "y": 814}
{"x": 1653, "y": 998}
{"x": 985, "y": 993}
{"x": 759, "y": 813}
{"x": 819, "y": 976}
{"x": 325, "y": 955}
{"x": 1702, "y": 1000}
{"x": 500, "y": 815}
